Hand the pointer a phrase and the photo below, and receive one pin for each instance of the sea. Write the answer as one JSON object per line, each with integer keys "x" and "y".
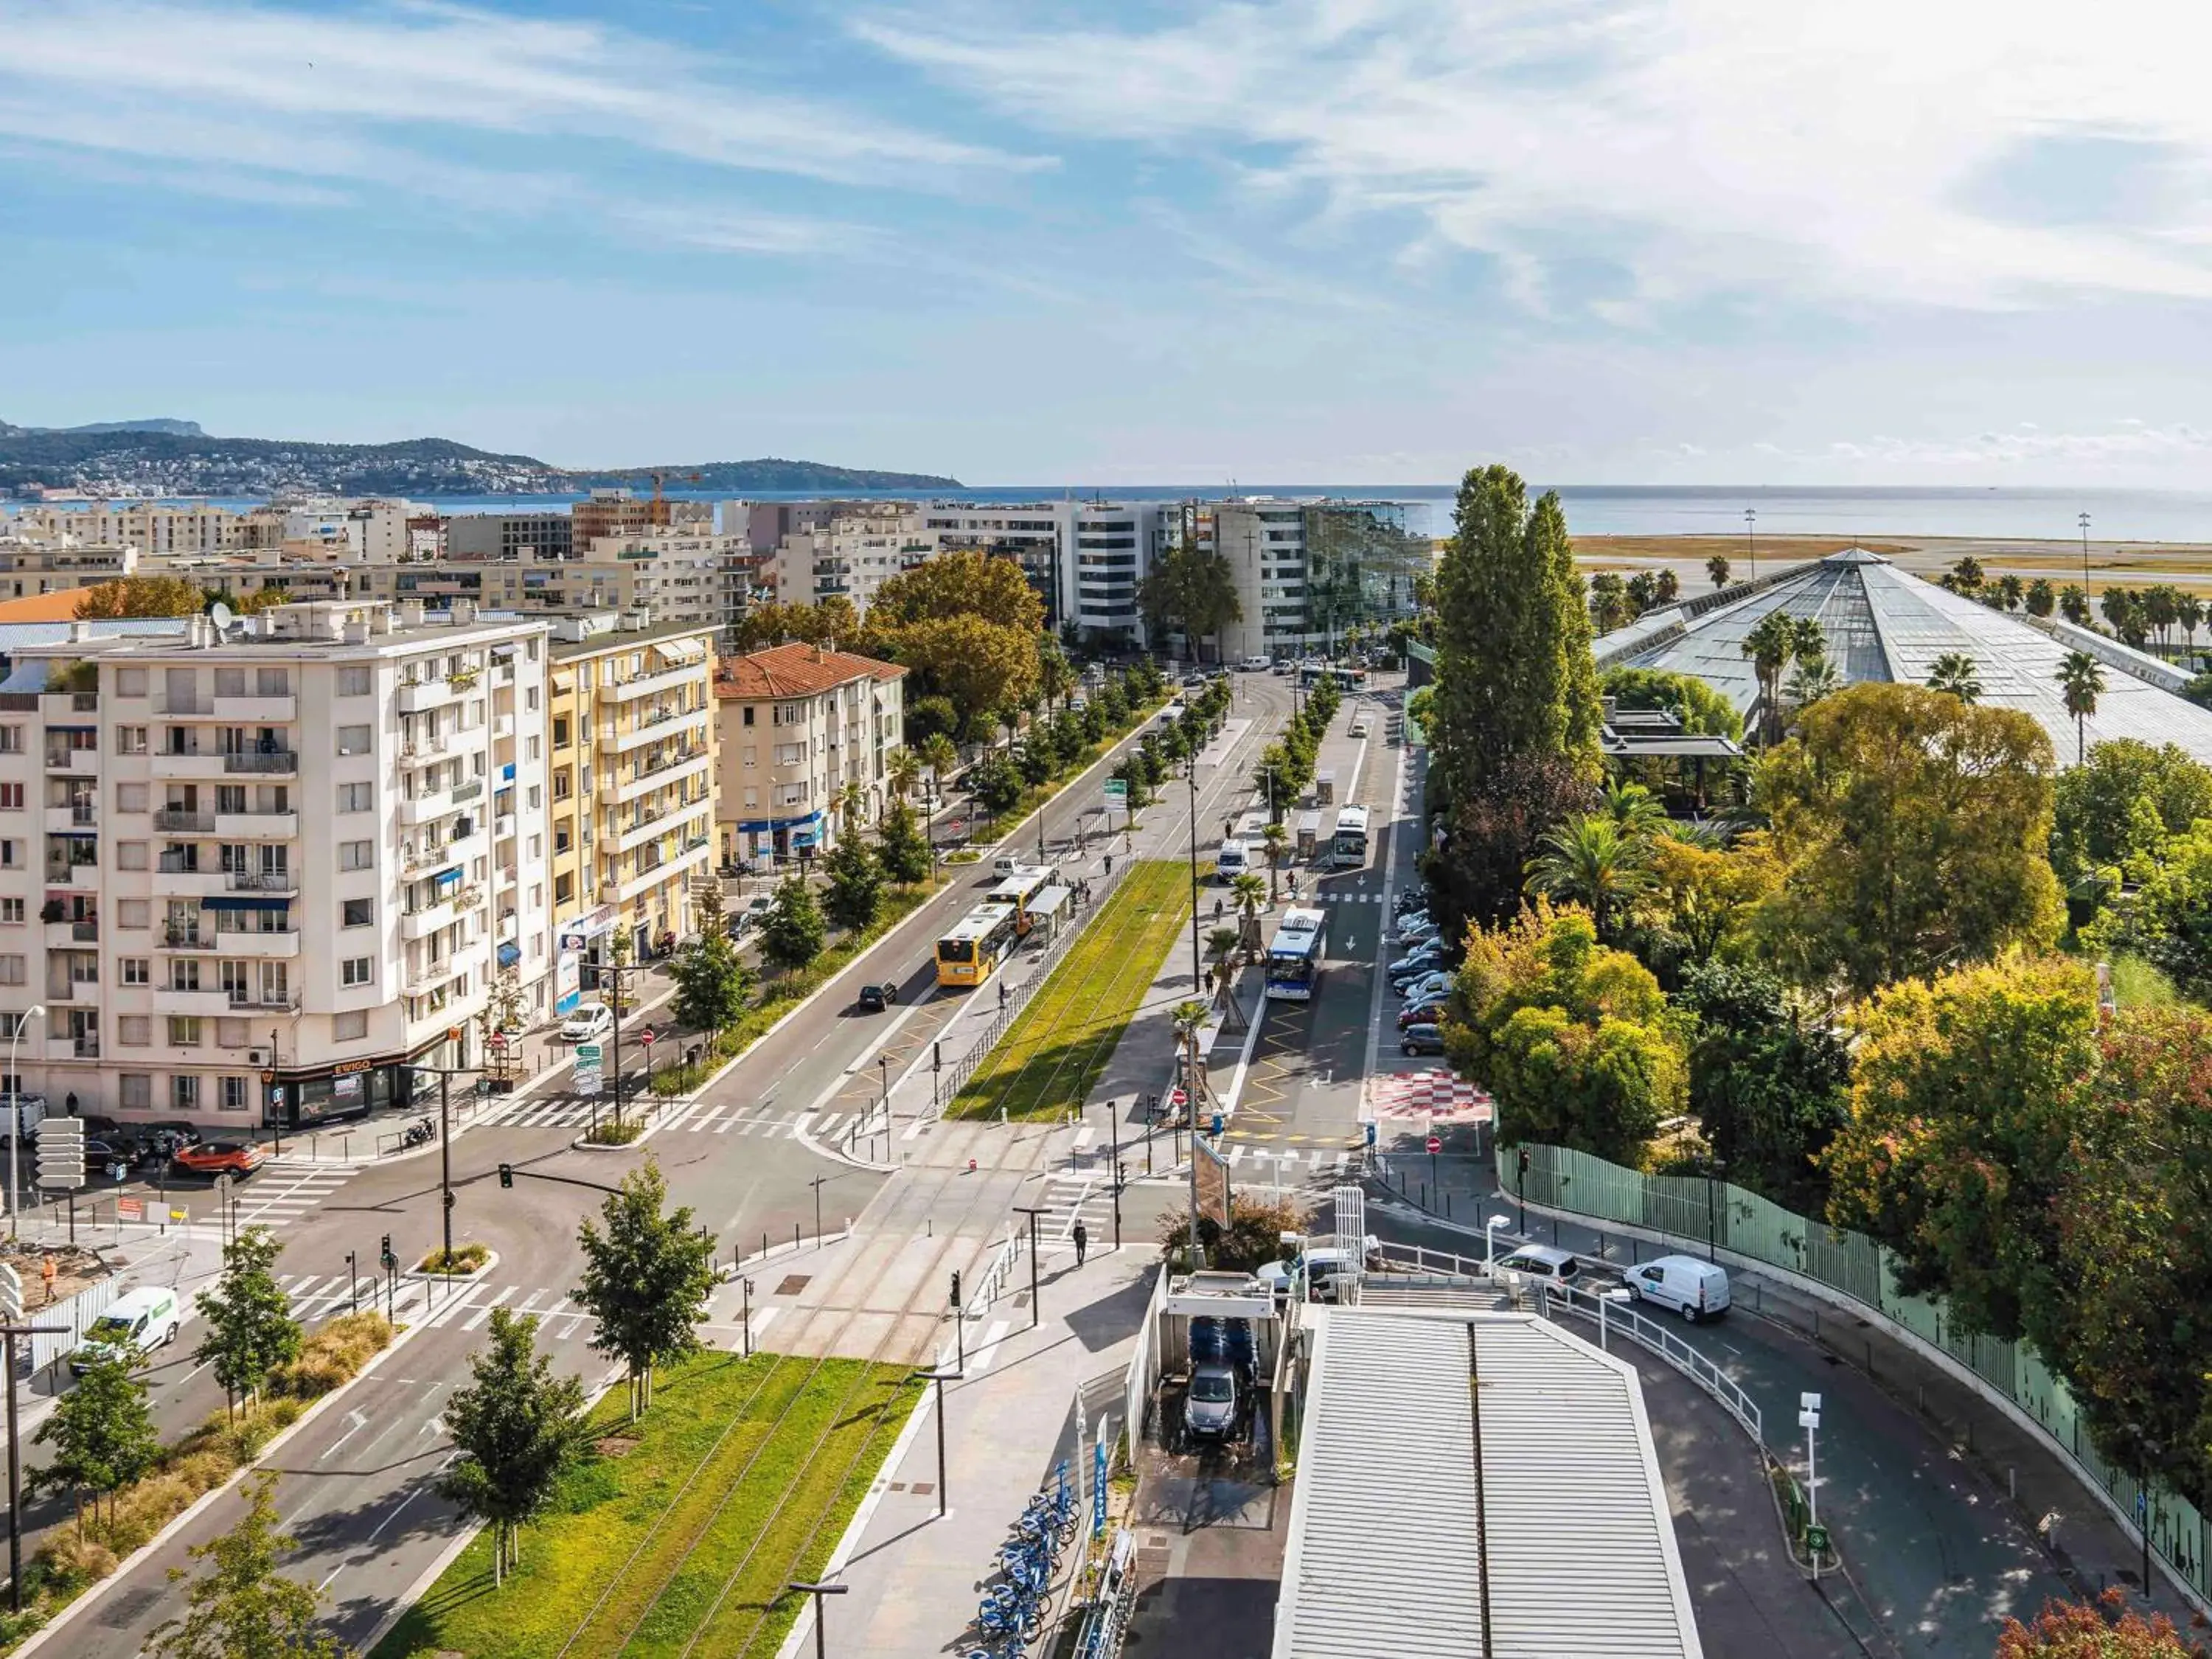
{"x": 2115, "y": 515}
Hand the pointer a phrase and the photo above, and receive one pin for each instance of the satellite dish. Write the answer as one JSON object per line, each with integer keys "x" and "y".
{"x": 220, "y": 615}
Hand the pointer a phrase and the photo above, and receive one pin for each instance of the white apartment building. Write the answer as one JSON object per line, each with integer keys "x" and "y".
{"x": 678, "y": 573}
{"x": 797, "y": 724}
{"x": 61, "y": 565}
{"x": 159, "y": 532}
{"x": 849, "y": 552}
{"x": 273, "y": 869}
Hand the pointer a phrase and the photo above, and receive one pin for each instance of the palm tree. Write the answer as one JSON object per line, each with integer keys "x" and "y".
{"x": 1814, "y": 679}
{"x": 1250, "y": 893}
{"x": 2073, "y": 604}
{"x": 2041, "y": 597}
{"x": 2189, "y": 611}
{"x": 1589, "y": 860}
{"x": 1187, "y": 1017}
{"x": 2080, "y": 678}
{"x": 902, "y": 770}
{"x": 1221, "y": 945}
{"x": 1954, "y": 672}
{"x": 1718, "y": 568}
{"x": 1276, "y": 838}
{"x": 942, "y": 755}
{"x": 1634, "y": 808}
{"x": 1770, "y": 646}
{"x": 2010, "y": 593}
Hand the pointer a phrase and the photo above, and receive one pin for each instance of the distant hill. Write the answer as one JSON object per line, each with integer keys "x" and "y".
{"x": 175, "y": 458}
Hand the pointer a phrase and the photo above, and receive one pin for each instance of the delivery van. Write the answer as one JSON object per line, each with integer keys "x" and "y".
{"x": 137, "y": 1321}
{"x": 1696, "y": 1289}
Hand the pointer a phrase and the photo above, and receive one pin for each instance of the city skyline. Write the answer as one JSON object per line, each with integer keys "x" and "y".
{"x": 1614, "y": 243}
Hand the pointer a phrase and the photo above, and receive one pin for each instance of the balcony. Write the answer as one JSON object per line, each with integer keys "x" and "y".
{"x": 75, "y": 877}
{"x": 677, "y": 769}
{"x": 281, "y": 710}
{"x": 503, "y": 726}
{"x": 694, "y": 857}
{"x": 66, "y": 1047}
{"x": 502, "y": 827}
{"x": 179, "y": 878}
{"x": 425, "y": 694}
{"x": 184, "y": 821}
{"x": 262, "y": 762}
{"x": 645, "y": 685}
{"x": 174, "y": 938}
{"x": 68, "y": 759}
{"x": 66, "y": 935}
{"x": 425, "y": 809}
{"x": 192, "y": 768}
{"x": 207, "y": 1003}
{"x": 651, "y": 826}
{"x": 429, "y": 919}
{"x": 67, "y": 820}
{"x": 471, "y": 960}
{"x": 68, "y": 705}
{"x": 648, "y": 728}
{"x": 254, "y": 826}
{"x": 257, "y": 945}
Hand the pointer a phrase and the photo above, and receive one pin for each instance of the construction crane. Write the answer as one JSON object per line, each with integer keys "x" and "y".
{"x": 658, "y": 513}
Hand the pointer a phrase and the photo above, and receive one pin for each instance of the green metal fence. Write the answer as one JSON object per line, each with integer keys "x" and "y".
{"x": 1712, "y": 1212}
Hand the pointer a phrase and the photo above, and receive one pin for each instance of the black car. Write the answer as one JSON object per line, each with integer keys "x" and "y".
{"x": 874, "y": 999}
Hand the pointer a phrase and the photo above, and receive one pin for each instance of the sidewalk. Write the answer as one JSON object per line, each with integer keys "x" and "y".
{"x": 916, "y": 1576}
{"x": 2017, "y": 1476}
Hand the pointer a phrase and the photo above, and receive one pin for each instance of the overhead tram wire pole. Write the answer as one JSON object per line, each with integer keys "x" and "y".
{"x": 940, "y": 1378}
{"x": 2083, "y": 520}
{"x": 1032, "y": 1214}
{"x": 1196, "y": 979}
{"x": 1750, "y": 538}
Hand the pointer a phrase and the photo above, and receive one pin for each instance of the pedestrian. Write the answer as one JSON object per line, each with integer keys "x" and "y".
{"x": 1109, "y": 864}
{"x": 1002, "y": 996}
{"x": 46, "y": 1272}
{"x": 1082, "y": 1241}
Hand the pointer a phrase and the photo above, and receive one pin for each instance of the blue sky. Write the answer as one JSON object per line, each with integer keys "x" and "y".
{"x": 1322, "y": 240}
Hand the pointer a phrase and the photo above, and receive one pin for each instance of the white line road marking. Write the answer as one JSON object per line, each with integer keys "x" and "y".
{"x": 484, "y": 1312}
{"x": 356, "y": 1421}
{"x": 994, "y": 1334}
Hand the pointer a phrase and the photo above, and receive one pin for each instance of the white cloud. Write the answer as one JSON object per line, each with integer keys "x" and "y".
{"x": 1705, "y": 147}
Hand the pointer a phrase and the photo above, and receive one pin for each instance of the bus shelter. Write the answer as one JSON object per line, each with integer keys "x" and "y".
{"x": 1050, "y": 911}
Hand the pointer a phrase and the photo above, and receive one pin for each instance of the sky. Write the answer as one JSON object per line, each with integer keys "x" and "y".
{"x": 1033, "y": 241}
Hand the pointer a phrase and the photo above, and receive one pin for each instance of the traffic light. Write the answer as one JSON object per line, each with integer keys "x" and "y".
{"x": 956, "y": 1290}
{"x": 1524, "y": 1162}
{"x": 385, "y": 1255}
{"x": 506, "y": 1175}
{"x": 61, "y": 1153}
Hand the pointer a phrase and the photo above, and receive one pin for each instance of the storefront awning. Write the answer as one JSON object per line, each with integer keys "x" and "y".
{"x": 681, "y": 651}
{"x": 804, "y": 838}
{"x": 226, "y": 901}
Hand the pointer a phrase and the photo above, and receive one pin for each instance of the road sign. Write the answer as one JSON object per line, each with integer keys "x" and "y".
{"x": 129, "y": 1209}
{"x": 1370, "y": 1127}
{"x": 1816, "y": 1539}
{"x": 588, "y": 1053}
{"x": 645, "y": 1036}
{"x": 589, "y": 1080}
{"x": 11, "y": 1294}
{"x": 61, "y": 1153}
{"x": 497, "y": 1041}
{"x": 1436, "y": 1143}
{"x": 1117, "y": 790}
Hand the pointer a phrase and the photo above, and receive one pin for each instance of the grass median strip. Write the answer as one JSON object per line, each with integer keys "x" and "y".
{"x": 1053, "y": 1053}
{"x": 739, "y": 1477}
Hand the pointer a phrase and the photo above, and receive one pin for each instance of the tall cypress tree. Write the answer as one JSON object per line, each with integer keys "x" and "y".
{"x": 1515, "y": 683}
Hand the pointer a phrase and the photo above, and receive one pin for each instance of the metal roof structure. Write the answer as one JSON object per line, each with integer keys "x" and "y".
{"x": 1515, "y": 1454}
{"x": 1883, "y": 624}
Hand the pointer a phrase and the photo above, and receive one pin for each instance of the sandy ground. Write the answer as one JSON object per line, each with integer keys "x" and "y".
{"x": 2127, "y": 564}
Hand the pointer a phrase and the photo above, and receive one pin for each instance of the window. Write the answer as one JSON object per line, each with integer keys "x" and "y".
{"x": 134, "y": 912}
{"x": 234, "y": 1094}
{"x": 563, "y": 784}
{"x": 564, "y": 888}
{"x": 11, "y": 854}
{"x": 128, "y": 740}
{"x": 537, "y": 797}
{"x": 129, "y": 682}
{"x": 357, "y": 971}
{"x": 232, "y": 1034}
{"x": 538, "y": 847}
{"x": 272, "y": 683}
{"x": 560, "y": 730}
{"x": 184, "y": 1093}
{"x": 135, "y": 970}
{"x": 134, "y": 1031}
{"x": 184, "y": 974}
{"x": 749, "y": 714}
{"x": 532, "y": 748}
{"x": 184, "y": 1032}
{"x": 353, "y": 740}
{"x": 130, "y": 797}
{"x": 11, "y": 739}
{"x": 353, "y": 681}
{"x": 356, "y": 912}
{"x": 561, "y": 837}
{"x": 356, "y": 855}
{"x": 131, "y": 855}
{"x": 135, "y": 1091}
{"x": 357, "y": 797}
{"x": 11, "y": 909}
{"x": 11, "y": 970}
{"x": 11, "y": 797}
{"x": 350, "y": 1027}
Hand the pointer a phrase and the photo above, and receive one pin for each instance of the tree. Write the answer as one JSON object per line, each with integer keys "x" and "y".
{"x": 2073, "y": 604}
{"x": 793, "y": 932}
{"x": 1611, "y": 604}
{"x": 994, "y": 783}
{"x": 1954, "y": 672}
{"x": 1190, "y": 589}
{"x": 1592, "y": 861}
{"x": 1701, "y": 899}
{"x": 940, "y": 755}
{"x": 1718, "y": 568}
{"x": 904, "y": 847}
{"x": 2121, "y": 806}
{"x": 2167, "y": 920}
{"x": 1813, "y": 678}
{"x": 141, "y": 596}
{"x": 1968, "y": 1092}
{"x": 516, "y": 1428}
{"x": 2189, "y": 614}
{"x": 1666, "y": 587}
{"x": 969, "y": 624}
{"x": 245, "y": 1608}
{"x": 102, "y": 1434}
{"x": 856, "y": 882}
{"x": 1915, "y": 828}
{"x": 2081, "y": 678}
{"x": 1250, "y": 892}
{"x": 902, "y": 771}
{"x": 647, "y": 1279}
{"x": 1967, "y": 574}
{"x": 2009, "y": 592}
{"x": 1513, "y": 678}
{"x": 1575, "y": 1042}
{"x": 1771, "y": 644}
{"x": 929, "y": 718}
{"x": 1701, "y": 709}
{"x": 1480, "y": 871}
{"x": 250, "y": 1327}
{"x": 2105, "y": 1629}
{"x": 713, "y": 982}
{"x": 2041, "y": 598}
{"x": 1767, "y": 1086}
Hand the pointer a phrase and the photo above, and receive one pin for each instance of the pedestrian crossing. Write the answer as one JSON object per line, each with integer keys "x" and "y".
{"x": 723, "y": 1117}
{"x": 278, "y": 1192}
{"x": 433, "y": 1304}
{"x": 1067, "y": 1197}
{"x": 1257, "y": 1157}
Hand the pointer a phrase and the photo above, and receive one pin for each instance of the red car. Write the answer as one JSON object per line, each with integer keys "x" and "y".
{"x": 214, "y": 1157}
{"x": 1422, "y": 1014}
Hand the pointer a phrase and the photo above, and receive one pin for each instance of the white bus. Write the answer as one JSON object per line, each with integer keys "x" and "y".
{"x": 1294, "y": 955}
{"x": 1348, "y": 846}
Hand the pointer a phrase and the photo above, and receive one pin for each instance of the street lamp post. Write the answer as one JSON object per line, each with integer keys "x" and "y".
{"x": 818, "y": 1591}
{"x": 36, "y": 1010}
{"x": 940, "y": 1378}
{"x": 1750, "y": 538}
{"x": 1808, "y": 1418}
{"x": 1197, "y": 980}
{"x": 2083, "y": 520}
{"x": 1489, "y": 1240}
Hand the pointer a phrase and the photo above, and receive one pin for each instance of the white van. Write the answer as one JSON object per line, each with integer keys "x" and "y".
{"x": 1255, "y": 665}
{"x": 1234, "y": 859}
{"x": 1696, "y": 1289}
{"x": 140, "y": 1320}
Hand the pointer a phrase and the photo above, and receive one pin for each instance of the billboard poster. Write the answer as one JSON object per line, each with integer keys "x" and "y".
{"x": 1210, "y": 1174}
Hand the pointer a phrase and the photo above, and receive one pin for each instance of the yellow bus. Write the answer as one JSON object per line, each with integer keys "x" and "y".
{"x": 978, "y": 943}
{"x": 1020, "y": 891}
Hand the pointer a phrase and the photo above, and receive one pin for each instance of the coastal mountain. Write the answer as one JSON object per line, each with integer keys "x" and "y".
{"x": 174, "y": 458}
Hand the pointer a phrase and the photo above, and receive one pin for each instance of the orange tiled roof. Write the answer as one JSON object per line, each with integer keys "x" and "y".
{"x": 795, "y": 671}
{"x": 42, "y": 607}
